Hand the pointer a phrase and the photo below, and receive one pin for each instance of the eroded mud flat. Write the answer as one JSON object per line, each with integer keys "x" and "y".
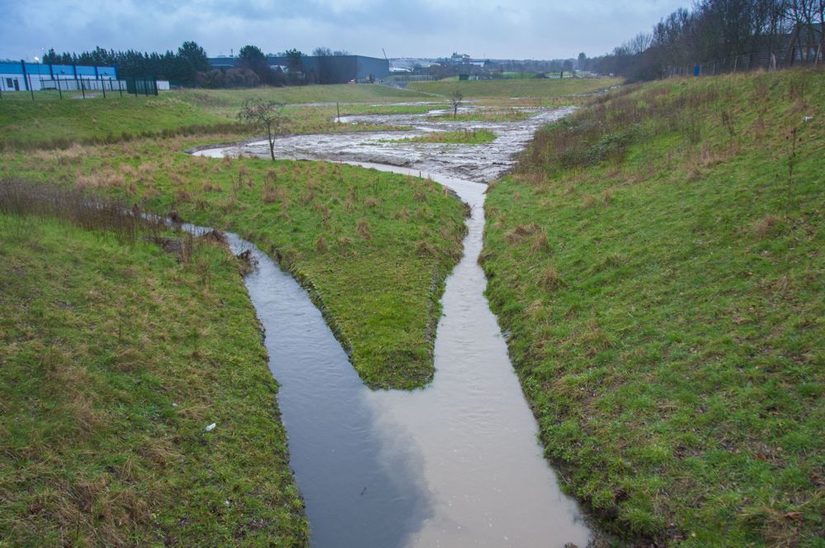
{"x": 455, "y": 464}
{"x": 481, "y": 163}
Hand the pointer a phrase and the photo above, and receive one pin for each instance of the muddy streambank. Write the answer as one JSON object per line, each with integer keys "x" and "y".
{"x": 481, "y": 163}
{"x": 455, "y": 464}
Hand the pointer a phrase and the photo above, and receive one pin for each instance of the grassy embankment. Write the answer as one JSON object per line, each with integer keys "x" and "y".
{"x": 658, "y": 261}
{"x": 374, "y": 248}
{"x": 535, "y": 92}
{"x": 48, "y": 122}
{"x": 114, "y": 357}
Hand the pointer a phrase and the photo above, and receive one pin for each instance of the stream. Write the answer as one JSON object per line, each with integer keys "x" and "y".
{"x": 455, "y": 464}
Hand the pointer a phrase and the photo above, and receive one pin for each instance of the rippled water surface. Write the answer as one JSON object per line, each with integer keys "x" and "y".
{"x": 455, "y": 464}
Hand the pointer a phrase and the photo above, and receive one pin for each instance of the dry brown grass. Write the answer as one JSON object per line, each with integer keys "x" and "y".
{"x": 211, "y": 187}
{"x": 363, "y": 229}
{"x": 766, "y": 226}
{"x": 75, "y": 205}
{"x": 425, "y": 249}
{"x": 271, "y": 194}
{"x": 540, "y": 242}
{"x": 521, "y": 233}
{"x": 321, "y": 244}
{"x": 550, "y": 279}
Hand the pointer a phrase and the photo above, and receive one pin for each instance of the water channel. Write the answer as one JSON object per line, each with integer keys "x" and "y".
{"x": 455, "y": 464}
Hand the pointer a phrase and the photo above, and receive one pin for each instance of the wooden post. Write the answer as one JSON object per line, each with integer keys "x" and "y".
{"x": 338, "y": 108}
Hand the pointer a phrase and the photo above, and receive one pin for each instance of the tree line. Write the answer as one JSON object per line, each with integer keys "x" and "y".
{"x": 723, "y": 34}
{"x": 189, "y": 66}
{"x": 180, "y": 67}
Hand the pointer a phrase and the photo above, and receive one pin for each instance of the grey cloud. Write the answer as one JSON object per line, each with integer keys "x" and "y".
{"x": 522, "y": 29}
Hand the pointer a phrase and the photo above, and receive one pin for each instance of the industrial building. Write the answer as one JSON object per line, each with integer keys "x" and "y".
{"x": 23, "y": 76}
{"x": 326, "y": 69}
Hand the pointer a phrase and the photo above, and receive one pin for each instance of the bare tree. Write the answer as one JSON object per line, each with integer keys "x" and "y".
{"x": 266, "y": 115}
{"x": 456, "y": 97}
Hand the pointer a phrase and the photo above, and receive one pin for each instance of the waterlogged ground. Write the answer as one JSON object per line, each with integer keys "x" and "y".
{"x": 479, "y": 163}
{"x": 455, "y": 464}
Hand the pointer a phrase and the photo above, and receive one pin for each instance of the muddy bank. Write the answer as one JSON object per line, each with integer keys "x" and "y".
{"x": 482, "y": 163}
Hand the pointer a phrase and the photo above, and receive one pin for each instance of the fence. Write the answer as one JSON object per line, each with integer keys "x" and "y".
{"x": 795, "y": 56}
{"x": 43, "y": 88}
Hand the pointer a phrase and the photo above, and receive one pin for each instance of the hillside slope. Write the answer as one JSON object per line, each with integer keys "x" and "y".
{"x": 114, "y": 357}
{"x": 658, "y": 262}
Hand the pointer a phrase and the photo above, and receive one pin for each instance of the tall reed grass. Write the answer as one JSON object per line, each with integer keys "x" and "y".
{"x": 79, "y": 207}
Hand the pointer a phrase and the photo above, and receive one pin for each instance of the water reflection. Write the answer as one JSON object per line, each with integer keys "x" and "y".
{"x": 456, "y": 464}
{"x": 359, "y": 488}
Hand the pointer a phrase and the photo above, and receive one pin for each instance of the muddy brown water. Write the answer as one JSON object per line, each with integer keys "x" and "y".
{"x": 455, "y": 464}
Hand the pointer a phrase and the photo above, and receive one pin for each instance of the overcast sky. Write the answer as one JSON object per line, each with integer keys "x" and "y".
{"x": 516, "y": 29}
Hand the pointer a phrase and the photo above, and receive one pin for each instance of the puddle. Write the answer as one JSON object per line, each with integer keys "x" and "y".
{"x": 455, "y": 464}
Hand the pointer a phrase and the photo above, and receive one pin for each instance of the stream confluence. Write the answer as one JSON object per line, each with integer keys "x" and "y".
{"x": 455, "y": 464}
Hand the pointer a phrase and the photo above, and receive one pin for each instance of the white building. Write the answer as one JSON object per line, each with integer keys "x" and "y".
{"x": 23, "y": 76}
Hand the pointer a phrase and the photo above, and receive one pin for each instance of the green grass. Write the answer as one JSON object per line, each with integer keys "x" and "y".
{"x": 26, "y": 123}
{"x": 373, "y": 248}
{"x": 658, "y": 261}
{"x": 465, "y": 137}
{"x": 537, "y": 89}
{"x": 413, "y": 108}
{"x": 486, "y": 114}
{"x": 114, "y": 357}
{"x": 47, "y": 122}
{"x": 344, "y": 93}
